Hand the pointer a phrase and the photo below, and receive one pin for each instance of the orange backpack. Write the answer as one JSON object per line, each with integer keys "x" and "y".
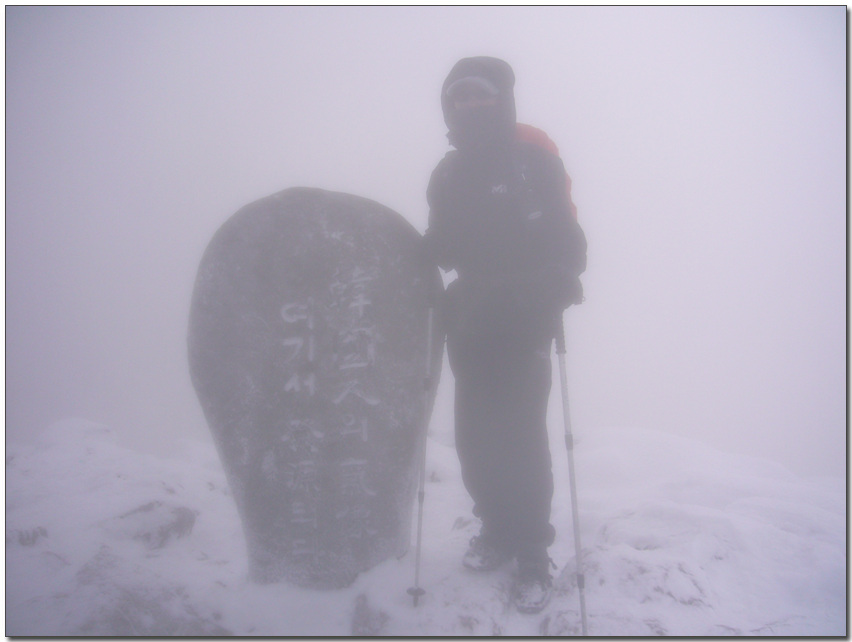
{"x": 529, "y": 134}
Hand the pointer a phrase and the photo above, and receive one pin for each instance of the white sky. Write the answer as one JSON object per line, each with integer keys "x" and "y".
{"x": 707, "y": 147}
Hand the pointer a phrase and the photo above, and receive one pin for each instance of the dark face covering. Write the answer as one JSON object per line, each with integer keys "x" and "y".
{"x": 478, "y": 129}
{"x": 483, "y": 130}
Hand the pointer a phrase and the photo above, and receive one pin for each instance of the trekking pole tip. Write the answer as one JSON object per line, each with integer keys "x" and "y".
{"x": 416, "y": 592}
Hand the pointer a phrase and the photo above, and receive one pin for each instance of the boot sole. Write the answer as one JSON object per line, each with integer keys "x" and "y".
{"x": 533, "y": 609}
{"x": 486, "y": 569}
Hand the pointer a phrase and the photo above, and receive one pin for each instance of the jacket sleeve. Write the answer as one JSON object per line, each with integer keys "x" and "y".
{"x": 439, "y": 240}
{"x": 563, "y": 247}
{"x": 573, "y": 256}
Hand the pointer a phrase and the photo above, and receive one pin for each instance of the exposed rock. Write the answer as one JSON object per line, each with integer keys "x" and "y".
{"x": 155, "y": 523}
{"x": 26, "y": 537}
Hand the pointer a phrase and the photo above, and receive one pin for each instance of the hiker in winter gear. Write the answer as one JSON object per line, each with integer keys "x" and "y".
{"x": 500, "y": 216}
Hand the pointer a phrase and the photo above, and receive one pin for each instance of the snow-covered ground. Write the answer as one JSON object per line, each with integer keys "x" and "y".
{"x": 678, "y": 539}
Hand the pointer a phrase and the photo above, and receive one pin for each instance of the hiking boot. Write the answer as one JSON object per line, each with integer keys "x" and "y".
{"x": 484, "y": 555}
{"x": 533, "y": 586}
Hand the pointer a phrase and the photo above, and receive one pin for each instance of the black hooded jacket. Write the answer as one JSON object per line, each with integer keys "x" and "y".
{"x": 499, "y": 213}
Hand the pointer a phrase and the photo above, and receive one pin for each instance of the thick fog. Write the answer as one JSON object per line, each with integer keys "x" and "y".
{"x": 707, "y": 148}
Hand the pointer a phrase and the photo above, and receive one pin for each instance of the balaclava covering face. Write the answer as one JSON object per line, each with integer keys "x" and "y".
{"x": 483, "y": 129}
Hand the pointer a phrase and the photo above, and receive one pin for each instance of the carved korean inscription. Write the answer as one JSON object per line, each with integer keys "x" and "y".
{"x": 307, "y": 350}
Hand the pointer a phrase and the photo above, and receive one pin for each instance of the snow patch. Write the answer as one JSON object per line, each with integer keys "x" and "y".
{"x": 678, "y": 539}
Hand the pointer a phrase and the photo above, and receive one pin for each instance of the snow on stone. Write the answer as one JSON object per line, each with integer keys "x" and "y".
{"x": 679, "y": 539}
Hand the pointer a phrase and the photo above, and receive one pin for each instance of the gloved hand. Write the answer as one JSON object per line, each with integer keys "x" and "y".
{"x": 549, "y": 295}
{"x": 573, "y": 292}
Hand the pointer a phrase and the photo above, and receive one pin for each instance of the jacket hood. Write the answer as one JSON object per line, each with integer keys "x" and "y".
{"x": 499, "y": 73}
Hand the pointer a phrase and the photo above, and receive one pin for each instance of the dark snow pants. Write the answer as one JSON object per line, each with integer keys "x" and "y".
{"x": 502, "y": 371}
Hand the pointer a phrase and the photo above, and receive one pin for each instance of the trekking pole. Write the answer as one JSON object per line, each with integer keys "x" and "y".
{"x": 415, "y": 591}
{"x": 569, "y": 444}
